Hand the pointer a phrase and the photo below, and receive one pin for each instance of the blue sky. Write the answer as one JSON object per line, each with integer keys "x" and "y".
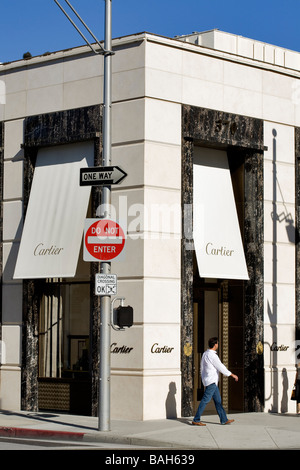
{"x": 39, "y": 26}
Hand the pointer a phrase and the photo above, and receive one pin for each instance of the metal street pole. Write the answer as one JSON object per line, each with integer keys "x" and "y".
{"x": 105, "y": 306}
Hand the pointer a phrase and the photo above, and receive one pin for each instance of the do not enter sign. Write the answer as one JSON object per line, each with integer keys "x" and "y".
{"x": 104, "y": 240}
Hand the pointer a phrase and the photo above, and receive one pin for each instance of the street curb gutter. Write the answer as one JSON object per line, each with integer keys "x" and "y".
{"x": 88, "y": 437}
{"x": 139, "y": 442}
{"x": 25, "y": 432}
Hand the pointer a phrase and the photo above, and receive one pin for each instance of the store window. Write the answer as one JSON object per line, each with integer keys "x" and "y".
{"x": 64, "y": 330}
{"x": 64, "y": 378}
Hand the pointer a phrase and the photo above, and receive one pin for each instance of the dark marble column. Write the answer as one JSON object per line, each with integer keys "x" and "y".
{"x": 187, "y": 316}
{"x": 29, "y": 372}
{"x": 95, "y": 299}
{"x": 244, "y": 136}
{"x": 254, "y": 288}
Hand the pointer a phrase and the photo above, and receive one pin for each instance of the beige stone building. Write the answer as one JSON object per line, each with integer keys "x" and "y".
{"x": 207, "y": 129}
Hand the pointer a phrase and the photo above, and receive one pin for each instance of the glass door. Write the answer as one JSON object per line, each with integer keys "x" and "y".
{"x": 206, "y": 325}
{"x": 64, "y": 324}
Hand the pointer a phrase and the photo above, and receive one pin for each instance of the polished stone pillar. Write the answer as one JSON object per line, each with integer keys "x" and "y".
{"x": 1, "y": 214}
{"x": 254, "y": 288}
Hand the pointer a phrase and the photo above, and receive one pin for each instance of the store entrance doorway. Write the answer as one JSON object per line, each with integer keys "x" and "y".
{"x": 206, "y": 325}
{"x": 218, "y": 311}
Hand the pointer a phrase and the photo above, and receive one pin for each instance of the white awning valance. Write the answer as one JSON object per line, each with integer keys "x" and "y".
{"x": 217, "y": 237}
{"x": 53, "y": 228}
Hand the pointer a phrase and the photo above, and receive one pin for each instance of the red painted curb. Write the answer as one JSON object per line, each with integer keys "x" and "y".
{"x": 42, "y": 433}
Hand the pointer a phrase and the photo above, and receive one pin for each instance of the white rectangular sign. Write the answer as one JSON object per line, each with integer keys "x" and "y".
{"x": 105, "y": 284}
{"x": 216, "y": 232}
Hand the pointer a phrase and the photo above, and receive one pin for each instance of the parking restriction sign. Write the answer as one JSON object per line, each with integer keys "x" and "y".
{"x": 104, "y": 240}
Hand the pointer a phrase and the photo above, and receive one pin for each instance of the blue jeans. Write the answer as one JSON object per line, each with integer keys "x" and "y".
{"x": 211, "y": 391}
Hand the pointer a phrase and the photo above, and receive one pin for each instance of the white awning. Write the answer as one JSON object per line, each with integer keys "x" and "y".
{"x": 54, "y": 223}
{"x": 216, "y": 232}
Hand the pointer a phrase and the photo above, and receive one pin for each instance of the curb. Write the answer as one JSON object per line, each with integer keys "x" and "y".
{"x": 25, "y": 432}
{"x": 89, "y": 437}
{"x": 139, "y": 442}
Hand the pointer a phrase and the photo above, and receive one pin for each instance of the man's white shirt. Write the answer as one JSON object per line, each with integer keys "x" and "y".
{"x": 211, "y": 366}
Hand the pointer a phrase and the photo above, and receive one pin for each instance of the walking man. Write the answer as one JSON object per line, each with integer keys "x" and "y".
{"x": 211, "y": 366}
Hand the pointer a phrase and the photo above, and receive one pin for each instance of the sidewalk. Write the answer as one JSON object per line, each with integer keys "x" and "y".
{"x": 259, "y": 431}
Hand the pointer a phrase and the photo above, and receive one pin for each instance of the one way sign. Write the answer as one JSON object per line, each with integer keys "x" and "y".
{"x": 97, "y": 176}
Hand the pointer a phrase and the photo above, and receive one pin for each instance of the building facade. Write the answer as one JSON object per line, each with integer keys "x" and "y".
{"x": 207, "y": 128}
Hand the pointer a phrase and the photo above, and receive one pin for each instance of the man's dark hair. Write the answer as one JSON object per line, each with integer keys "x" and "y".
{"x": 212, "y": 342}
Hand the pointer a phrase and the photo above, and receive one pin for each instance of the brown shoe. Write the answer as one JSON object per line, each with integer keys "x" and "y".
{"x": 198, "y": 423}
{"x": 229, "y": 421}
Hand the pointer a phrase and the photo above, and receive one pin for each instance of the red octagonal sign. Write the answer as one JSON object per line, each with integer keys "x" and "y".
{"x": 104, "y": 240}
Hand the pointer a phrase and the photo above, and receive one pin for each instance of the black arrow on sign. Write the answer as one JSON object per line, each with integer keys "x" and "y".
{"x": 101, "y": 175}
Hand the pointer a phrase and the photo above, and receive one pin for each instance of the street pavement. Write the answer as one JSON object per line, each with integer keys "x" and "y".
{"x": 249, "y": 431}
